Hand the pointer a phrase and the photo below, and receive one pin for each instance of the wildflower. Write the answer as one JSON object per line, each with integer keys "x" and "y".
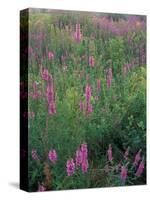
{"x": 52, "y": 155}
{"x": 50, "y": 93}
{"x": 77, "y": 34}
{"x": 32, "y": 115}
{"x": 89, "y": 108}
{"x": 50, "y": 55}
{"x": 34, "y": 155}
{"x": 110, "y": 73}
{"x": 70, "y": 167}
{"x": 30, "y": 50}
{"x": 137, "y": 158}
{"x": 87, "y": 77}
{"x": 84, "y": 151}
{"x": 51, "y": 99}
{"x": 109, "y": 153}
{"x": 84, "y": 166}
{"x": 91, "y": 61}
{"x": 36, "y": 95}
{"x": 78, "y": 157}
{"x": 123, "y": 174}
{"x": 52, "y": 108}
{"x": 140, "y": 169}
{"x": 41, "y": 188}
{"x": 34, "y": 86}
{"x": 88, "y": 93}
{"x": 108, "y": 83}
{"x": 45, "y": 74}
{"x": 126, "y": 154}
{"x": 109, "y": 77}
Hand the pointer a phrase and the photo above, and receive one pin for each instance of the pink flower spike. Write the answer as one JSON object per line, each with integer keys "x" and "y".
{"x": 84, "y": 166}
{"x": 140, "y": 169}
{"x": 91, "y": 61}
{"x": 108, "y": 83}
{"x": 78, "y": 158}
{"x": 51, "y": 99}
{"x": 52, "y": 155}
{"x": 123, "y": 174}
{"x": 89, "y": 108}
{"x": 36, "y": 95}
{"x": 34, "y": 85}
{"x": 70, "y": 167}
{"x": 84, "y": 151}
{"x": 34, "y": 155}
{"x": 50, "y": 55}
{"x": 137, "y": 158}
{"x": 77, "y": 34}
{"x": 41, "y": 188}
{"x": 126, "y": 154}
{"x": 45, "y": 74}
{"x": 88, "y": 93}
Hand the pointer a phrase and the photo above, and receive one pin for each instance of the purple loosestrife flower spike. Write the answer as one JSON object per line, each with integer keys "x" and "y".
{"x": 137, "y": 158}
{"x": 51, "y": 99}
{"x": 34, "y": 86}
{"x": 140, "y": 169}
{"x": 88, "y": 93}
{"x": 77, "y": 34}
{"x": 41, "y": 188}
{"x": 126, "y": 154}
{"x": 109, "y": 153}
{"x": 52, "y": 155}
{"x": 123, "y": 174}
{"x": 108, "y": 83}
{"x": 70, "y": 167}
{"x": 50, "y": 55}
{"x": 89, "y": 108}
{"x": 45, "y": 74}
{"x": 34, "y": 155}
{"x": 91, "y": 61}
{"x": 84, "y": 166}
{"x": 84, "y": 151}
{"x": 36, "y": 94}
{"x": 78, "y": 157}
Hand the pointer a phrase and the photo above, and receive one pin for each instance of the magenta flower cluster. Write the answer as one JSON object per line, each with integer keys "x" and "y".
{"x": 52, "y": 155}
{"x": 88, "y": 106}
{"x": 91, "y": 61}
{"x": 77, "y": 34}
{"x": 51, "y": 99}
{"x": 81, "y": 160}
{"x": 70, "y": 167}
{"x": 34, "y": 155}
{"x": 124, "y": 171}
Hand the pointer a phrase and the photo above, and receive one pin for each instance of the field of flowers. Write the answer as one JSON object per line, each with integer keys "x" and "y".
{"x": 86, "y": 100}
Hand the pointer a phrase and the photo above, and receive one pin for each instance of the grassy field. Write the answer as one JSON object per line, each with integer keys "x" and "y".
{"x": 87, "y": 100}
